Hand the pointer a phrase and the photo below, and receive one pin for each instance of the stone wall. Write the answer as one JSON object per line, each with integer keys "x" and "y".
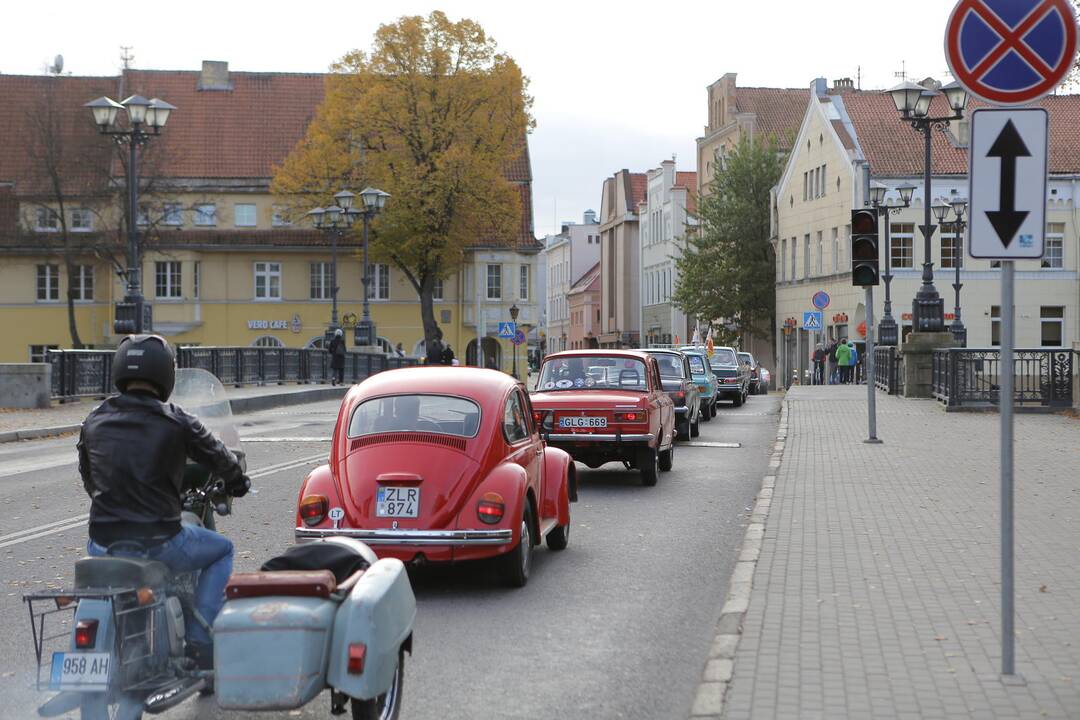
{"x": 25, "y": 385}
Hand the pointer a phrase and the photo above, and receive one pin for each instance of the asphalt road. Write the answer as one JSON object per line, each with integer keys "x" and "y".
{"x": 616, "y": 626}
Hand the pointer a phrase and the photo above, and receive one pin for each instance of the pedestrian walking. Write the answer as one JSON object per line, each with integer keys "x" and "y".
{"x": 819, "y": 365}
{"x": 337, "y": 357}
{"x": 830, "y": 358}
{"x": 852, "y": 362}
{"x": 435, "y": 351}
{"x": 843, "y": 361}
{"x": 448, "y": 355}
{"x": 399, "y": 350}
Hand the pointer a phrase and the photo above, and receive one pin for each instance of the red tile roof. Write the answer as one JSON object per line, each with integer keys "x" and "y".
{"x": 894, "y": 149}
{"x": 591, "y": 276}
{"x": 639, "y": 185}
{"x": 779, "y": 111}
{"x": 687, "y": 180}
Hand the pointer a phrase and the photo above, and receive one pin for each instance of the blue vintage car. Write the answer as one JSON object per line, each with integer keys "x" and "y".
{"x": 703, "y": 378}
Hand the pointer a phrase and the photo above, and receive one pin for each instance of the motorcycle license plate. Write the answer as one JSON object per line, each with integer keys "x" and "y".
{"x": 77, "y": 671}
{"x": 397, "y": 502}
{"x": 583, "y": 422}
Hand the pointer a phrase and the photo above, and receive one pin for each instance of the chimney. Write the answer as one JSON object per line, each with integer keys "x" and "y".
{"x": 843, "y": 85}
{"x": 589, "y": 218}
{"x": 820, "y": 86}
{"x": 214, "y": 76}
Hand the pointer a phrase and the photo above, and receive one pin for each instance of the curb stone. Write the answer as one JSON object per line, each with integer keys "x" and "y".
{"x": 720, "y": 666}
{"x": 239, "y": 407}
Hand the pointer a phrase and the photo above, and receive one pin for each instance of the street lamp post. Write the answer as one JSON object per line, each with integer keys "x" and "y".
{"x": 335, "y": 221}
{"x": 888, "y": 331}
{"x": 513, "y": 317}
{"x": 373, "y": 200}
{"x": 145, "y": 120}
{"x": 913, "y": 103}
{"x": 959, "y": 207}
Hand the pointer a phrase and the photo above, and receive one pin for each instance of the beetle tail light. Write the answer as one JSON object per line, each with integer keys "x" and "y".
{"x": 491, "y": 508}
{"x": 85, "y": 634}
{"x": 357, "y": 656}
{"x": 313, "y": 509}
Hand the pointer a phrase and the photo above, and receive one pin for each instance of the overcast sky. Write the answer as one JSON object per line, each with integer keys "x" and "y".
{"x": 616, "y": 84}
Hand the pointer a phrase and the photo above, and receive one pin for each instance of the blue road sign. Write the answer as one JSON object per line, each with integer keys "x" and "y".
{"x": 1010, "y": 52}
{"x": 519, "y": 337}
{"x": 811, "y": 320}
{"x": 821, "y": 300}
{"x": 507, "y": 330}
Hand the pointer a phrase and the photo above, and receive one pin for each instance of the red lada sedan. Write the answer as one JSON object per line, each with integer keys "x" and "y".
{"x": 607, "y": 406}
{"x": 441, "y": 464}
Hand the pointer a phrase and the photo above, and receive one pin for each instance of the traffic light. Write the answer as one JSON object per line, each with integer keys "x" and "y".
{"x": 864, "y": 248}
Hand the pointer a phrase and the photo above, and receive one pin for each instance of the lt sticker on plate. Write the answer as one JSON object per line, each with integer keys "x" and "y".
{"x": 335, "y": 515}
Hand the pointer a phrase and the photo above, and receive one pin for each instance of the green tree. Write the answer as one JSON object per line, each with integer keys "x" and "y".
{"x": 433, "y": 114}
{"x": 727, "y": 270}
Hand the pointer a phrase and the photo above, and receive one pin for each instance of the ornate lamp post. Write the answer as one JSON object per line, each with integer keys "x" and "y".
{"x": 913, "y": 103}
{"x": 335, "y": 221}
{"x": 145, "y": 120}
{"x": 888, "y": 331}
{"x": 514, "y": 311}
{"x": 959, "y": 207}
{"x": 374, "y": 200}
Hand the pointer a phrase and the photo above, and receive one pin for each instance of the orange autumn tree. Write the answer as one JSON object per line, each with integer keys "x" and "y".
{"x": 433, "y": 114}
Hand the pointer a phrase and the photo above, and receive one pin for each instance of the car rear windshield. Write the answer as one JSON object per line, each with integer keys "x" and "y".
{"x": 671, "y": 365}
{"x": 746, "y": 358}
{"x": 724, "y": 356}
{"x": 416, "y": 413}
{"x": 697, "y": 365}
{"x": 592, "y": 372}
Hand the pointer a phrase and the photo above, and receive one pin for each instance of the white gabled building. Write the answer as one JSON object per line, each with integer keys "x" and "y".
{"x": 567, "y": 257}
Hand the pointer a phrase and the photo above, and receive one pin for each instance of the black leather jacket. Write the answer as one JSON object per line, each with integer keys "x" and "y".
{"x": 132, "y": 453}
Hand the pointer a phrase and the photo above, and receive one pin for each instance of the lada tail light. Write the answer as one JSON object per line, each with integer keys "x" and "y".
{"x": 542, "y": 418}
{"x": 313, "y": 509}
{"x": 491, "y": 508}
{"x": 631, "y": 416}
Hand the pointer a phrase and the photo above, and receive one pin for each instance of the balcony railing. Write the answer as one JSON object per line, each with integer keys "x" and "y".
{"x": 887, "y": 376}
{"x": 88, "y": 373}
{"x": 969, "y": 378}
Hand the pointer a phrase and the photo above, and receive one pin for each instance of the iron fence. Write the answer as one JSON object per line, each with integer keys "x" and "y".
{"x": 88, "y": 373}
{"x": 887, "y": 369}
{"x": 969, "y": 378}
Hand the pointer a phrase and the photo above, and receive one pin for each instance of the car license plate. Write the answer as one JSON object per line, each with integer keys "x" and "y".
{"x": 398, "y": 502}
{"x": 80, "y": 671}
{"x": 583, "y": 422}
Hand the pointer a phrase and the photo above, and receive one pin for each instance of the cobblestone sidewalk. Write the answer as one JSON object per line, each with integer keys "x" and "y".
{"x": 877, "y": 589}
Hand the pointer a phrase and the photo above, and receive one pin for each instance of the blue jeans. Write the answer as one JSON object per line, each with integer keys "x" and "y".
{"x": 194, "y": 549}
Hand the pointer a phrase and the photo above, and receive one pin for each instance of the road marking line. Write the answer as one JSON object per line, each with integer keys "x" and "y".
{"x": 706, "y": 444}
{"x": 78, "y": 521}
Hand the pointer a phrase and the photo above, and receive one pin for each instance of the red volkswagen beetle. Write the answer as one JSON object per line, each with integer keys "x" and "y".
{"x": 441, "y": 464}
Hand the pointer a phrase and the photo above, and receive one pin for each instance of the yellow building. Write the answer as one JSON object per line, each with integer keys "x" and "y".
{"x": 220, "y": 265}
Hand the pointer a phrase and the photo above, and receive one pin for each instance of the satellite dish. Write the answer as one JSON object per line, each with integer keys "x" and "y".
{"x": 58, "y": 64}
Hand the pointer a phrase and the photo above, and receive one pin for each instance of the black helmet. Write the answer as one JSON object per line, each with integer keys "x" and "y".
{"x": 148, "y": 358}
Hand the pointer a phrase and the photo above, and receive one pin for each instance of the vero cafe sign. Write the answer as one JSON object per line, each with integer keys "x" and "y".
{"x": 268, "y": 324}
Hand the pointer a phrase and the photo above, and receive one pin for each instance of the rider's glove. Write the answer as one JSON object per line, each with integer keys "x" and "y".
{"x": 240, "y": 486}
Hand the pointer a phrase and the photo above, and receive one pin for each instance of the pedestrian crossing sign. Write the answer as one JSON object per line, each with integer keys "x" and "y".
{"x": 507, "y": 330}
{"x": 811, "y": 320}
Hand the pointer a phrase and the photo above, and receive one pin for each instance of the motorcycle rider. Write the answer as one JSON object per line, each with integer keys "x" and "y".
{"x": 132, "y": 453}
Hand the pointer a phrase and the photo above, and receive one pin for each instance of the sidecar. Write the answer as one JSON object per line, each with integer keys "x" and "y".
{"x": 326, "y": 615}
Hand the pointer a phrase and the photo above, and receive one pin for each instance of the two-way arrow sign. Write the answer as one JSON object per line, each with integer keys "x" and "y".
{"x": 1008, "y": 177}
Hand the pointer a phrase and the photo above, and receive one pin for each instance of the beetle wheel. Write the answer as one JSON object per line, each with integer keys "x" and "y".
{"x": 517, "y": 563}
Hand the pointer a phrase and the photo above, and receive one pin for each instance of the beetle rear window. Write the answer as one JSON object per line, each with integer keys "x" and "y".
{"x": 416, "y": 413}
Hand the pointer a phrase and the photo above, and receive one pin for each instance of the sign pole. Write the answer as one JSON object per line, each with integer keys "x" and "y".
{"x": 1008, "y": 638}
{"x": 871, "y": 391}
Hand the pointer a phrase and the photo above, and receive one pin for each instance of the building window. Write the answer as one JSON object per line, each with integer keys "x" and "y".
{"x": 805, "y": 186}
{"x": 806, "y": 256}
{"x": 82, "y": 220}
{"x": 783, "y": 259}
{"x": 143, "y": 218}
{"x": 39, "y": 353}
{"x": 523, "y": 283}
{"x": 245, "y": 215}
{"x": 1052, "y": 320}
{"x": 820, "y": 251}
{"x": 952, "y": 254}
{"x": 267, "y": 281}
{"x": 46, "y": 220}
{"x": 794, "y": 249}
{"x": 206, "y": 214}
{"x": 380, "y": 282}
{"x": 321, "y": 282}
{"x": 167, "y": 279}
{"x": 196, "y": 278}
{"x": 437, "y": 289}
{"x": 173, "y": 214}
{"x": 267, "y": 341}
{"x": 277, "y": 218}
{"x": 836, "y": 250}
{"x": 995, "y": 325}
{"x": 48, "y": 282}
{"x": 823, "y": 174}
{"x": 82, "y": 282}
{"x": 1054, "y": 258}
{"x": 494, "y": 282}
{"x": 902, "y": 245}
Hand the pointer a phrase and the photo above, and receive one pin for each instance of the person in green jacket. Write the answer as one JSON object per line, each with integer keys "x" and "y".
{"x": 843, "y": 361}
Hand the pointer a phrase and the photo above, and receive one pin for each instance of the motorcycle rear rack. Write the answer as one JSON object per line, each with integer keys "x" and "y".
{"x": 125, "y": 608}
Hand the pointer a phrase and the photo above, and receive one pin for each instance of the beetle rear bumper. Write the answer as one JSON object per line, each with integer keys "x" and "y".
{"x": 411, "y": 538}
